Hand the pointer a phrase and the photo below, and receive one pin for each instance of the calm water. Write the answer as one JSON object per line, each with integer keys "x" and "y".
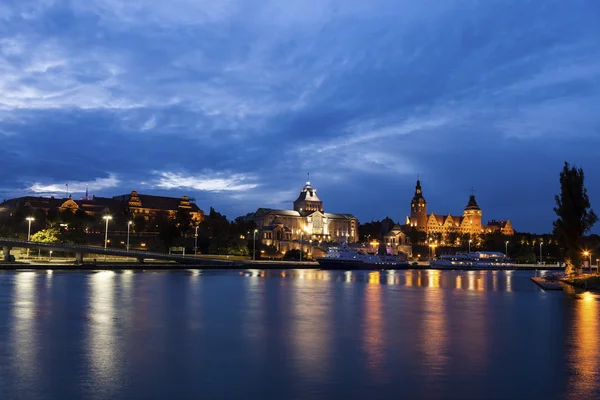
{"x": 293, "y": 335}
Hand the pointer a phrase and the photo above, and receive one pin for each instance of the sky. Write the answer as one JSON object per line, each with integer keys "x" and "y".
{"x": 234, "y": 102}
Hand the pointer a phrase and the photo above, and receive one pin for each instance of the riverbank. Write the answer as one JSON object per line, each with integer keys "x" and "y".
{"x": 591, "y": 282}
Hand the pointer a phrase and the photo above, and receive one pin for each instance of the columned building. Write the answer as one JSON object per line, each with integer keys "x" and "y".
{"x": 306, "y": 224}
{"x": 470, "y": 222}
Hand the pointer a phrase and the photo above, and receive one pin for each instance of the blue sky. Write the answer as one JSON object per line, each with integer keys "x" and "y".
{"x": 233, "y": 102}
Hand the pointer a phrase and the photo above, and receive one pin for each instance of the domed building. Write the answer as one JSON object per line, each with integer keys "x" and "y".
{"x": 306, "y": 224}
{"x": 467, "y": 223}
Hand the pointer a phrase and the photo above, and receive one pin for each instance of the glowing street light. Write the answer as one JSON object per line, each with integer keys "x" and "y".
{"x": 29, "y": 220}
{"x": 254, "y": 248}
{"x": 128, "y": 226}
{"x": 106, "y": 218}
{"x": 50, "y": 258}
{"x": 541, "y": 255}
{"x": 589, "y": 254}
{"x": 470, "y": 241}
{"x": 196, "y": 242}
{"x": 506, "y": 253}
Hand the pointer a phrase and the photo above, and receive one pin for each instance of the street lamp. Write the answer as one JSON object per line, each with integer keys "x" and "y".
{"x": 470, "y": 246}
{"x": 107, "y": 218}
{"x": 506, "y": 253}
{"x": 541, "y": 255}
{"x": 128, "y": 226}
{"x": 254, "y": 248}
{"x": 196, "y": 241}
{"x": 29, "y": 220}
{"x": 50, "y": 259}
{"x": 586, "y": 254}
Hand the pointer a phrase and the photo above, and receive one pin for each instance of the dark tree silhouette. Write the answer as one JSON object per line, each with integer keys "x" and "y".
{"x": 575, "y": 217}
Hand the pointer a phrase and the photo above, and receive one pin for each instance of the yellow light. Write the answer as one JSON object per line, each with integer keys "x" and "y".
{"x": 586, "y": 253}
{"x": 143, "y": 244}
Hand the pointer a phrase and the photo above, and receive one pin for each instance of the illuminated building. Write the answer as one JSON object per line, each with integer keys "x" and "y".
{"x": 468, "y": 223}
{"x": 397, "y": 242}
{"x": 288, "y": 229}
{"x": 132, "y": 204}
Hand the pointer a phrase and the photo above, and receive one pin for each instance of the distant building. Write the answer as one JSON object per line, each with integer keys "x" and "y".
{"x": 467, "y": 223}
{"x": 396, "y": 242}
{"x": 307, "y": 223}
{"x": 133, "y": 204}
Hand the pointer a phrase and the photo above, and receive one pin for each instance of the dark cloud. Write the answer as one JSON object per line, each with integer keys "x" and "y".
{"x": 235, "y": 107}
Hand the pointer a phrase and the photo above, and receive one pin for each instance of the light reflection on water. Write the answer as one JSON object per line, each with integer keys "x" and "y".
{"x": 23, "y": 336}
{"x": 295, "y": 334}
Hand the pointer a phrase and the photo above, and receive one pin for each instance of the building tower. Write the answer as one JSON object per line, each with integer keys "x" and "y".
{"x": 308, "y": 202}
{"x": 473, "y": 215}
{"x": 418, "y": 210}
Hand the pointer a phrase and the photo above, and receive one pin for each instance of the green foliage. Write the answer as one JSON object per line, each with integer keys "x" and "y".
{"x": 50, "y": 235}
{"x": 575, "y": 216}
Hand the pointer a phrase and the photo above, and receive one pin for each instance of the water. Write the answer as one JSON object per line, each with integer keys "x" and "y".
{"x": 294, "y": 335}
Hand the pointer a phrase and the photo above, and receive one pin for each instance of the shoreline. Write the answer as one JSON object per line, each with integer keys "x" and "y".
{"x": 234, "y": 266}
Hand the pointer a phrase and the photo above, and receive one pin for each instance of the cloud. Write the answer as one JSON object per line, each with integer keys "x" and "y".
{"x": 74, "y": 187}
{"x": 238, "y": 99}
{"x": 210, "y": 182}
{"x": 149, "y": 124}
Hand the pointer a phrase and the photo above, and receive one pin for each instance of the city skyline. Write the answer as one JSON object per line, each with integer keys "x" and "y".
{"x": 234, "y": 102}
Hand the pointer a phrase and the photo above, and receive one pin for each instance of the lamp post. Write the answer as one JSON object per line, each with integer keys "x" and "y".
{"x": 589, "y": 254}
{"x": 506, "y": 253}
{"x": 50, "y": 258}
{"x": 470, "y": 246}
{"x": 128, "y": 227}
{"x": 541, "y": 255}
{"x": 254, "y": 247}
{"x": 29, "y": 220}
{"x": 196, "y": 242}
{"x": 106, "y": 218}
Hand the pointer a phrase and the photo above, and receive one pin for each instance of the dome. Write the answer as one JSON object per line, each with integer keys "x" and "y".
{"x": 308, "y": 193}
{"x": 472, "y": 204}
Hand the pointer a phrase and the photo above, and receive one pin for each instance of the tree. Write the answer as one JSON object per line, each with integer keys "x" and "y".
{"x": 139, "y": 224}
{"x": 575, "y": 217}
{"x": 168, "y": 230}
{"x": 50, "y": 235}
{"x": 183, "y": 220}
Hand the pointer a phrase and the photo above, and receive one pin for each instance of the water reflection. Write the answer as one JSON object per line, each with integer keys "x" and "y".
{"x": 373, "y": 327}
{"x": 585, "y": 356}
{"x": 476, "y": 281}
{"x": 102, "y": 341}
{"x": 435, "y": 332}
{"x": 23, "y": 336}
{"x": 312, "y": 324}
{"x": 313, "y": 334}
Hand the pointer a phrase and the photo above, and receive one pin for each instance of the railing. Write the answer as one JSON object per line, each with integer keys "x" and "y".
{"x": 74, "y": 248}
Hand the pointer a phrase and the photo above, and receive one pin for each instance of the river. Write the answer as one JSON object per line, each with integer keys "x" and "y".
{"x": 294, "y": 335}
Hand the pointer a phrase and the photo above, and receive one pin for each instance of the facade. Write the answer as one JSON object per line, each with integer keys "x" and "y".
{"x": 134, "y": 204}
{"x": 305, "y": 225}
{"x": 396, "y": 242}
{"x": 470, "y": 222}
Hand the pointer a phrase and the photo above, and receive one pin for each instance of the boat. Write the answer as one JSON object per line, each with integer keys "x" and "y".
{"x": 347, "y": 258}
{"x": 474, "y": 260}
